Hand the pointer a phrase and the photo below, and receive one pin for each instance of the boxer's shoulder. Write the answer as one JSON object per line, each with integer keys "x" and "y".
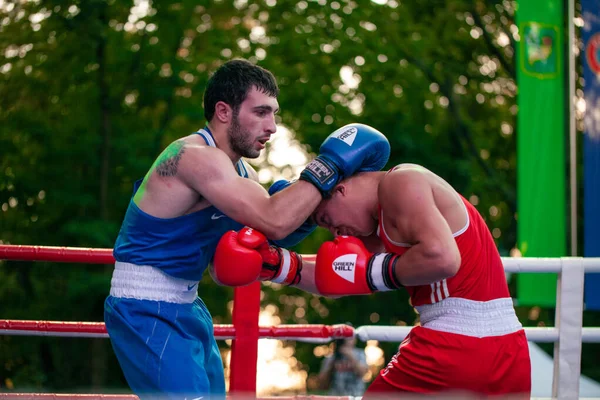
{"x": 186, "y": 148}
{"x": 408, "y": 171}
{"x": 403, "y": 182}
{"x": 409, "y": 167}
{"x": 196, "y": 154}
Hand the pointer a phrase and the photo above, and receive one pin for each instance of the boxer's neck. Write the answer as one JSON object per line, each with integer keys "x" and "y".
{"x": 219, "y": 133}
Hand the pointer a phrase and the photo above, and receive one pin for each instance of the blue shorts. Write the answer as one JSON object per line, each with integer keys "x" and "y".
{"x": 166, "y": 350}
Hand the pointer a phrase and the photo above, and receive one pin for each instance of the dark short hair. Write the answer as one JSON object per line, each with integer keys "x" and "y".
{"x": 231, "y": 83}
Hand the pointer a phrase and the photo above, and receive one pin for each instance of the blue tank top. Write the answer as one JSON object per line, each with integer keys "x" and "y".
{"x": 181, "y": 247}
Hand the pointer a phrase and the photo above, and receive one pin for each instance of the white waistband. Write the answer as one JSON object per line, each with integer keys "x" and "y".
{"x": 150, "y": 283}
{"x": 471, "y": 318}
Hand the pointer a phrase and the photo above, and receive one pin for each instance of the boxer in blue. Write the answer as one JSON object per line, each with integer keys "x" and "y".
{"x": 197, "y": 189}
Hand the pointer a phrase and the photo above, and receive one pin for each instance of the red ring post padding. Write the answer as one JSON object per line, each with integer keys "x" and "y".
{"x": 244, "y": 348}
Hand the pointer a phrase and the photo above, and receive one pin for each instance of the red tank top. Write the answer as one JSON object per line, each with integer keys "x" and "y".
{"x": 481, "y": 274}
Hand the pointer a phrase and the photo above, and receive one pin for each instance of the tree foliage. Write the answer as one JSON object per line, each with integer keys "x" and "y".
{"x": 91, "y": 91}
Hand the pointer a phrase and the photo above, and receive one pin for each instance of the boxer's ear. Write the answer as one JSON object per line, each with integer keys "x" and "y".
{"x": 223, "y": 112}
{"x": 340, "y": 189}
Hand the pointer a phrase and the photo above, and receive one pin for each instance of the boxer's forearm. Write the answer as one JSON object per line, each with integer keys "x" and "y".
{"x": 307, "y": 281}
{"x": 423, "y": 265}
{"x": 288, "y": 209}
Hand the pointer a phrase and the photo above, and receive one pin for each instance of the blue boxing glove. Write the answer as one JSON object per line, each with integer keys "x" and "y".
{"x": 350, "y": 149}
{"x": 299, "y": 234}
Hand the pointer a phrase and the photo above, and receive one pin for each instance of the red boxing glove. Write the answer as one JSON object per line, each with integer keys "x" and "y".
{"x": 235, "y": 264}
{"x": 345, "y": 267}
{"x": 246, "y": 256}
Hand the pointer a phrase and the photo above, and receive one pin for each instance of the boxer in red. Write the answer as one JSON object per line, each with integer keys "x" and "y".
{"x": 409, "y": 228}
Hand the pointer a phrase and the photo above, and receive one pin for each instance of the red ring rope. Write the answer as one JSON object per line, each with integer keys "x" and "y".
{"x": 58, "y": 254}
{"x": 221, "y": 331}
{"x": 57, "y": 396}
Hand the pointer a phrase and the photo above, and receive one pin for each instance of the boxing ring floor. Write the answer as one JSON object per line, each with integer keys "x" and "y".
{"x": 567, "y": 334}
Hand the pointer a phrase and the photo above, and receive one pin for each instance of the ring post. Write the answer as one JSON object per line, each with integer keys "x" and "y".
{"x": 244, "y": 349}
{"x": 569, "y": 320}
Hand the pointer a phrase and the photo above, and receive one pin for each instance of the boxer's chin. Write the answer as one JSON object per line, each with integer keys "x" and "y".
{"x": 252, "y": 152}
{"x": 366, "y": 233}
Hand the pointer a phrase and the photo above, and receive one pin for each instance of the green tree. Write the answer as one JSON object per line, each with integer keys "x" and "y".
{"x": 92, "y": 91}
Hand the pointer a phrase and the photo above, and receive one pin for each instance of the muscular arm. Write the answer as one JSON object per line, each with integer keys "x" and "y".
{"x": 407, "y": 200}
{"x": 211, "y": 173}
{"x": 307, "y": 283}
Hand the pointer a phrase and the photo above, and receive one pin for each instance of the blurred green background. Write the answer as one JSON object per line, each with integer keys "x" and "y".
{"x": 91, "y": 91}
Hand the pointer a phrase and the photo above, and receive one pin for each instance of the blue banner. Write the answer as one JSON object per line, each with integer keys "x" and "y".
{"x": 590, "y": 34}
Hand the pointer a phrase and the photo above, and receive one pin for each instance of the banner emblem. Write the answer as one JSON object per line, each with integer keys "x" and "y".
{"x": 592, "y": 53}
{"x": 540, "y": 50}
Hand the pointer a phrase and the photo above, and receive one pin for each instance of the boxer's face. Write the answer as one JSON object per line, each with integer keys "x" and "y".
{"x": 342, "y": 214}
{"x": 253, "y": 123}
